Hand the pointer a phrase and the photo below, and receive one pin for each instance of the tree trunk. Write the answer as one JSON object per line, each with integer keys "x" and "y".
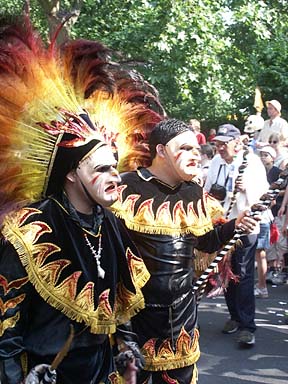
{"x": 55, "y": 16}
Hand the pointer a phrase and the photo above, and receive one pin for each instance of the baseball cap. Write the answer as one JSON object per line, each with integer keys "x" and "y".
{"x": 269, "y": 150}
{"x": 275, "y": 104}
{"x": 227, "y": 132}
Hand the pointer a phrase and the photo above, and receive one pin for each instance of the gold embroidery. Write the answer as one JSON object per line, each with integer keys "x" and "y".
{"x": 187, "y": 352}
{"x": 9, "y": 323}
{"x": 63, "y": 296}
{"x": 10, "y": 304}
{"x": 15, "y": 284}
{"x": 115, "y": 378}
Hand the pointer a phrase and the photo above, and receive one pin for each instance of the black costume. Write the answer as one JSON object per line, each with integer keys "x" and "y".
{"x": 167, "y": 224}
{"x": 48, "y": 280}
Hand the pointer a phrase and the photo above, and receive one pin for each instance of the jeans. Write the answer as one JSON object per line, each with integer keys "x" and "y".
{"x": 239, "y": 296}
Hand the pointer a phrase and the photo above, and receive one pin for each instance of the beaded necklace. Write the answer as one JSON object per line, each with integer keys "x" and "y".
{"x": 96, "y": 254}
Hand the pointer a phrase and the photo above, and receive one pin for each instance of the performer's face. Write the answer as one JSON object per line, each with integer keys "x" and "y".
{"x": 182, "y": 153}
{"x": 97, "y": 175}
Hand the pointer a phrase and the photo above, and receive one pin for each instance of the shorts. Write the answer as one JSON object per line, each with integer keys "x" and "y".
{"x": 276, "y": 250}
{"x": 263, "y": 238}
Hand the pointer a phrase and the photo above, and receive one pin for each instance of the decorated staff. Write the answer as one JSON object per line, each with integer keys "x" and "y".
{"x": 256, "y": 210}
{"x": 254, "y": 123}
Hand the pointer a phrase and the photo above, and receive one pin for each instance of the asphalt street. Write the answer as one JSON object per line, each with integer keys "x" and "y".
{"x": 222, "y": 362}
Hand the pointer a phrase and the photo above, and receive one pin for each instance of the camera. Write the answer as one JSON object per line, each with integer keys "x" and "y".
{"x": 218, "y": 191}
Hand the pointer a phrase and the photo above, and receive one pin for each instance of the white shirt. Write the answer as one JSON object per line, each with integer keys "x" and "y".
{"x": 254, "y": 180}
{"x": 278, "y": 125}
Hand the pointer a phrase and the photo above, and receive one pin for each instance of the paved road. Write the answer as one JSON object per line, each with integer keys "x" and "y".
{"x": 222, "y": 362}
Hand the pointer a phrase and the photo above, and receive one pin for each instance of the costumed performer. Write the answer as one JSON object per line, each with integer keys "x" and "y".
{"x": 169, "y": 217}
{"x": 64, "y": 258}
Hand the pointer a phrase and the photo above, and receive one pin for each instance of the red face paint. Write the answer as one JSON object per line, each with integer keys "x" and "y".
{"x": 178, "y": 155}
{"x": 93, "y": 181}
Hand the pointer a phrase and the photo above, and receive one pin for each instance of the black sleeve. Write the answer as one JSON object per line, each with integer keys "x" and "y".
{"x": 14, "y": 289}
{"x": 215, "y": 239}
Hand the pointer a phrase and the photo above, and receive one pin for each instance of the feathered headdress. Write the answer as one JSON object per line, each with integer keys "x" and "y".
{"x": 117, "y": 97}
{"x": 45, "y": 103}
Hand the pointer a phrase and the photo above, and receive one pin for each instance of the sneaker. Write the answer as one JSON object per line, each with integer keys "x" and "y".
{"x": 246, "y": 338}
{"x": 261, "y": 293}
{"x": 231, "y": 326}
{"x": 269, "y": 275}
{"x": 279, "y": 278}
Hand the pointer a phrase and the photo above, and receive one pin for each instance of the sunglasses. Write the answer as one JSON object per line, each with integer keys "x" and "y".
{"x": 273, "y": 142}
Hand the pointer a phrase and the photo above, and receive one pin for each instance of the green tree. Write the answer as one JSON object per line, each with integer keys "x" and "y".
{"x": 204, "y": 57}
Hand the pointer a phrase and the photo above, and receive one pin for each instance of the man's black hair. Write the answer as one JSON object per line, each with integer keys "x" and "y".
{"x": 165, "y": 131}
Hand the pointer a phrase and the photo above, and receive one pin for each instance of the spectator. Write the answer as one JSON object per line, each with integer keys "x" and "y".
{"x": 212, "y": 134}
{"x": 196, "y": 127}
{"x": 267, "y": 155}
{"x": 207, "y": 153}
{"x": 277, "y": 253}
{"x": 239, "y": 296}
{"x": 281, "y": 159}
{"x": 275, "y": 124}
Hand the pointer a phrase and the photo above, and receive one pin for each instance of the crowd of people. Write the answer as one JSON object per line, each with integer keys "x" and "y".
{"x": 219, "y": 159}
{"x": 97, "y": 268}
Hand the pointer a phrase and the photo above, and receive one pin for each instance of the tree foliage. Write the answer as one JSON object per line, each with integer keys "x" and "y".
{"x": 205, "y": 57}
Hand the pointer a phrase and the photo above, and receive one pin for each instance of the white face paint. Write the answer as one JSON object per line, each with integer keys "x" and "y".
{"x": 98, "y": 175}
{"x": 182, "y": 153}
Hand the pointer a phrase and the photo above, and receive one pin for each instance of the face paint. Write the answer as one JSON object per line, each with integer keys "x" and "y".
{"x": 98, "y": 177}
{"x": 182, "y": 152}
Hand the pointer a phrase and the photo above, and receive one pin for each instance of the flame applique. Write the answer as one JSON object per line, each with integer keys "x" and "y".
{"x": 169, "y": 379}
{"x": 10, "y": 303}
{"x": 65, "y": 294}
{"x": 15, "y": 284}
{"x": 186, "y": 353}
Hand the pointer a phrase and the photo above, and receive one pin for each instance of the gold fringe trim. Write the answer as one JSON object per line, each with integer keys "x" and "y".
{"x": 187, "y": 353}
{"x": 128, "y": 304}
{"x": 147, "y": 219}
{"x": 24, "y": 363}
{"x": 195, "y": 375}
{"x": 158, "y": 230}
{"x": 63, "y": 297}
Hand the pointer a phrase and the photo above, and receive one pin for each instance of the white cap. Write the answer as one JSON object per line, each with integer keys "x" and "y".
{"x": 275, "y": 104}
{"x": 269, "y": 150}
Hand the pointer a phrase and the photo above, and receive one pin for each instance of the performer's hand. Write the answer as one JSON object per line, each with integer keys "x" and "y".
{"x": 36, "y": 375}
{"x": 130, "y": 375}
{"x": 246, "y": 222}
{"x": 240, "y": 186}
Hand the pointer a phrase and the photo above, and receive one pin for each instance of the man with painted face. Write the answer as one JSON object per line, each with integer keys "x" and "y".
{"x": 70, "y": 262}
{"x": 168, "y": 216}
{"x": 66, "y": 262}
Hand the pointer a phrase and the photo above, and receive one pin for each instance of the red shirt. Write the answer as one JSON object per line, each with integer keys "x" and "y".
{"x": 200, "y": 138}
